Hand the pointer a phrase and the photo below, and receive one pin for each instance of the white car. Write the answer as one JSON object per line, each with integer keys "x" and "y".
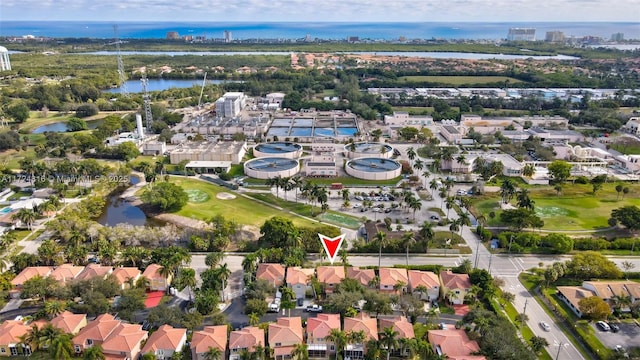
{"x": 545, "y": 326}
{"x": 355, "y": 206}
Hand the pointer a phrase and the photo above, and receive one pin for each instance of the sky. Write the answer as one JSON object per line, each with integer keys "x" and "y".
{"x": 324, "y": 10}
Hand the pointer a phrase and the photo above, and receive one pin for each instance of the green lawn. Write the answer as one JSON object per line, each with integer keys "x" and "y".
{"x": 242, "y": 210}
{"x": 459, "y": 80}
{"x": 575, "y": 209}
{"x": 628, "y": 146}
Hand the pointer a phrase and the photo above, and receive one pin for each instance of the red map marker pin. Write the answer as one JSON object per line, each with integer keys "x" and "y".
{"x": 331, "y": 245}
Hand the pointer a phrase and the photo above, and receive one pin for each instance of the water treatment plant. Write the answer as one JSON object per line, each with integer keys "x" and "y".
{"x": 375, "y": 150}
{"x": 270, "y": 167}
{"x": 373, "y": 168}
{"x": 280, "y": 149}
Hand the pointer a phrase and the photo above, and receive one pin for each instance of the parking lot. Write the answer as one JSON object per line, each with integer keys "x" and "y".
{"x": 627, "y": 336}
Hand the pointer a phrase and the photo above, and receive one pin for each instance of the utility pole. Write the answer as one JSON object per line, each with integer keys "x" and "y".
{"x": 559, "y": 348}
{"x": 510, "y": 241}
{"x": 122, "y": 76}
{"x": 475, "y": 264}
{"x": 490, "y": 258}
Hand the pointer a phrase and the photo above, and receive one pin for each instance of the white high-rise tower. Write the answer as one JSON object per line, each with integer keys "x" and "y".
{"x": 5, "y": 64}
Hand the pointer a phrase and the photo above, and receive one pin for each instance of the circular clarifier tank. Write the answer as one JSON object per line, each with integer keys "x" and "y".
{"x": 270, "y": 167}
{"x": 370, "y": 150}
{"x": 280, "y": 149}
{"x": 373, "y": 168}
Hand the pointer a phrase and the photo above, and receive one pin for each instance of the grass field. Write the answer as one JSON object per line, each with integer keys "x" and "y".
{"x": 627, "y": 146}
{"x": 575, "y": 209}
{"x": 459, "y": 80}
{"x": 242, "y": 210}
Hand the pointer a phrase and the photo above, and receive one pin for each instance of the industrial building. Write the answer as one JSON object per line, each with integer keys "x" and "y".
{"x": 322, "y": 162}
{"x": 230, "y": 151}
{"x": 230, "y": 104}
{"x": 5, "y": 63}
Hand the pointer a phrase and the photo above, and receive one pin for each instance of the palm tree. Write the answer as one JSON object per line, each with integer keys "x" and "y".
{"x": 507, "y": 190}
{"x": 418, "y": 165}
{"x": 426, "y": 174}
{"x": 389, "y": 340}
{"x": 61, "y": 347}
{"x": 254, "y": 319}
{"x": 426, "y": 233}
{"x": 528, "y": 170}
{"x": 223, "y": 273}
{"x": 381, "y": 238}
{"x": 408, "y": 239}
{"x": 93, "y": 353}
{"x": 463, "y": 220}
{"x": 300, "y": 352}
{"x": 415, "y": 205}
{"x": 213, "y": 353}
{"x": 339, "y": 339}
{"x": 524, "y": 201}
{"x": 433, "y": 185}
{"x": 212, "y": 259}
{"x": 48, "y": 334}
{"x": 32, "y": 338}
{"x": 411, "y": 153}
{"x": 25, "y": 216}
{"x": 53, "y": 308}
{"x": 450, "y": 201}
{"x": 454, "y": 226}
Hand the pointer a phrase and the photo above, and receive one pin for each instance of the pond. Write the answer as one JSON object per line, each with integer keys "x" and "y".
{"x": 61, "y": 126}
{"x": 135, "y": 86}
{"x": 119, "y": 211}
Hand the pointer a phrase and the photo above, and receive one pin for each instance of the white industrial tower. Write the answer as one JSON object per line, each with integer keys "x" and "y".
{"x": 122, "y": 77}
{"x": 147, "y": 102}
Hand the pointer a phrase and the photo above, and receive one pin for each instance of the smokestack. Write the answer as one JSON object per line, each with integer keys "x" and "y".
{"x": 139, "y": 126}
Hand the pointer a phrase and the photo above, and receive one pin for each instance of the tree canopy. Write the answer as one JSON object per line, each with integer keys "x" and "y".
{"x": 165, "y": 196}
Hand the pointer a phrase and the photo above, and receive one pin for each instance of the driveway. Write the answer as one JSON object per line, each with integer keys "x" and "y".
{"x": 628, "y": 336}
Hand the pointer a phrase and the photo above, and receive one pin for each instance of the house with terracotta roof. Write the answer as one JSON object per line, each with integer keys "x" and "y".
{"x": 165, "y": 341}
{"x": 273, "y": 273}
{"x": 125, "y": 342}
{"x": 454, "y": 287}
{"x": 364, "y": 276}
{"x": 210, "y": 336}
{"x": 10, "y": 333}
{"x": 29, "y": 273}
{"x": 246, "y": 339}
{"x": 69, "y": 322}
{"x": 571, "y": 295}
{"x": 157, "y": 282}
{"x": 126, "y": 276}
{"x": 284, "y": 335}
{"x": 364, "y": 323}
{"x": 298, "y": 280}
{"x": 95, "y": 333}
{"x": 402, "y": 326}
{"x": 425, "y": 284}
{"x": 390, "y": 277}
{"x": 66, "y": 272}
{"x": 94, "y": 271}
{"x": 317, "y": 330}
{"x": 455, "y": 344}
{"x": 330, "y": 277}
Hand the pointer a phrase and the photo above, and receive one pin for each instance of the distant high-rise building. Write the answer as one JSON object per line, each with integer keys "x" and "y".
{"x": 522, "y": 34}
{"x": 353, "y": 39}
{"x": 227, "y": 36}
{"x": 5, "y": 64}
{"x": 617, "y": 37}
{"x": 554, "y": 36}
{"x": 173, "y": 35}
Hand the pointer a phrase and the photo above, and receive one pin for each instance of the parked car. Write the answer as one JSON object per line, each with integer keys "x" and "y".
{"x": 442, "y": 326}
{"x": 603, "y": 326}
{"x": 545, "y": 326}
{"x": 388, "y": 210}
{"x": 314, "y": 308}
{"x": 299, "y": 301}
{"x": 434, "y": 217}
{"x": 614, "y": 327}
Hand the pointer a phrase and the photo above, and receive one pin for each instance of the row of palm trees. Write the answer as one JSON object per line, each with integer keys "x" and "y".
{"x": 308, "y": 189}
{"x": 58, "y": 343}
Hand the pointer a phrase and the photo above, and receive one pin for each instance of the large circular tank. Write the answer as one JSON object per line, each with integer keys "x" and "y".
{"x": 369, "y": 168}
{"x": 280, "y": 149}
{"x": 270, "y": 167}
{"x": 370, "y": 150}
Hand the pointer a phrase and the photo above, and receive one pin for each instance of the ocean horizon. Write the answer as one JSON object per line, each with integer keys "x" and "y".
{"x": 314, "y": 30}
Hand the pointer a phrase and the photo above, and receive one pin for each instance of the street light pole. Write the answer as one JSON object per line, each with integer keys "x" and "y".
{"x": 524, "y": 314}
{"x": 475, "y": 265}
{"x": 559, "y": 348}
{"x": 490, "y": 258}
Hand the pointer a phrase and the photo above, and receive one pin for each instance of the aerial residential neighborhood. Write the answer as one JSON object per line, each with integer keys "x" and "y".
{"x": 378, "y": 196}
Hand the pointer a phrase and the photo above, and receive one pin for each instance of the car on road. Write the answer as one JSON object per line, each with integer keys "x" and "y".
{"x": 434, "y": 217}
{"x": 314, "y": 308}
{"x": 462, "y": 192}
{"x": 388, "y": 210}
{"x": 603, "y": 326}
{"x": 545, "y": 326}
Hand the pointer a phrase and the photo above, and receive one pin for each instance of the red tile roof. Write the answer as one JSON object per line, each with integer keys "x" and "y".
{"x": 123, "y": 274}
{"x": 452, "y": 343}
{"x": 11, "y": 331}
{"x": 66, "y": 272}
{"x": 210, "y": 336}
{"x": 69, "y": 322}
{"x": 166, "y": 338}
{"x": 273, "y": 273}
{"x": 29, "y": 273}
{"x": 362, "y": 322}
{"x": 399, "y": 324}
{"x": 391, "y": 276}
{"x": 286, "y": 331}
{"x": 455, "y": 281}
{"x": 363, "y": 275}
{"x": 298, "y": 275}
{"x": 320, "y": 326}
{"x": 97, "y": 330}
{"x": 424, "y": 278}
{"x": 94, "y": 270}
{"x": 124, "y": 338}
{"x": 246, "y": 338}
{"x": 153, "y": 272}
{"x": 330, "y": 274}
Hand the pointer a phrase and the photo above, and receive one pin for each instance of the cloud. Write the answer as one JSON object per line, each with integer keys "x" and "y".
{"x": 322, "y": 10}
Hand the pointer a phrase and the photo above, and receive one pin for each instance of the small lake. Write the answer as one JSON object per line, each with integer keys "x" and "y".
{"x": 135, "y": 86}
{"x": 61, "y": 126}
{"x": 118, "y": 211}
